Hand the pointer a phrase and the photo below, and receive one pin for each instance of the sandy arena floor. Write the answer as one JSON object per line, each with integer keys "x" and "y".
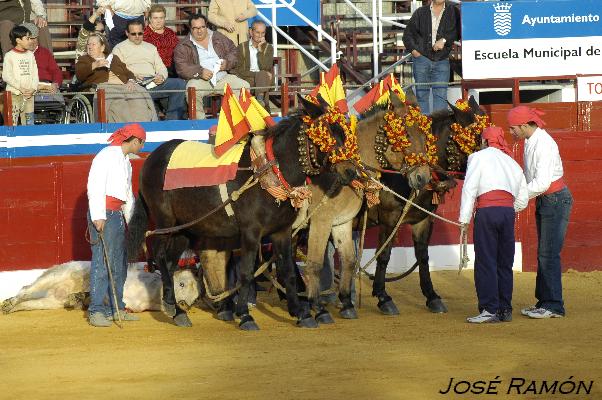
{"x": 57, "y": 355}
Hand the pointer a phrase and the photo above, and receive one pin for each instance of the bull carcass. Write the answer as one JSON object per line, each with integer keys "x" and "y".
{"x": 67, "y": 286}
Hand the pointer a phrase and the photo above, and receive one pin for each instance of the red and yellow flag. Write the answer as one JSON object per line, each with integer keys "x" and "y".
{"x": 380, "y": 94}
{"x": 331, "y": 89}
{"x": 232, "y": 125}
{"x": 257, "y": 116}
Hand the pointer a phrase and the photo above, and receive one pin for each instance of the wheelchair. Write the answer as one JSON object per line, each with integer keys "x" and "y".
{"x": 62, "y": 108}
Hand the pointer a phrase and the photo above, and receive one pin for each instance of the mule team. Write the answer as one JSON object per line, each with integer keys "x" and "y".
{"x": 311, "y": 141}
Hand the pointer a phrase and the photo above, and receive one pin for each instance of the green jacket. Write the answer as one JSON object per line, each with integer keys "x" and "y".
{"x": 265, "y": 59}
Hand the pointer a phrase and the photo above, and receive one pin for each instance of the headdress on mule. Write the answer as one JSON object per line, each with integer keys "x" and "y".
{"x": 495, "y": 138}
{"x": 331, "y": 89}
{"x": 523, "y": 115}
{"x": 125, "y": 132}
{"x": 380, "y": 94}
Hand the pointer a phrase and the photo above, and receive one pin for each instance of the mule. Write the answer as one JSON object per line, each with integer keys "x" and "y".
{"x": 256, "y": 214}
{"x": 336, "y": 216}
{"x": 387, "y": 213}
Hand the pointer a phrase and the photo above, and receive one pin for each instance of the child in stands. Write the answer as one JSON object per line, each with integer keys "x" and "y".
{"x": 20, "y": 72}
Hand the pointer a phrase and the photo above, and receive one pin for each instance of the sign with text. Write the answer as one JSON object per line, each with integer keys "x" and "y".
{"x": 589, "y": 88}
{"x": 308, "y": 8}
{"x": 505, "y": 39}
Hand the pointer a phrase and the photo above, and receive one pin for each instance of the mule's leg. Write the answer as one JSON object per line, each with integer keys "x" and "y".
{"x": 286, "y": 271}
{"x": 167, "y": 254}
{"x": 213, "y": 263}
{"x": 319, "y": 232}
{"x": 385, "y": 303}
{"x": 343, "y": 241}
{"x": 250, "y": 242}
{"x": 421, "y": 234}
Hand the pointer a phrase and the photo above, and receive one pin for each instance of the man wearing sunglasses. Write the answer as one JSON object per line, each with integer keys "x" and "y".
{"x": 143, "y": 59}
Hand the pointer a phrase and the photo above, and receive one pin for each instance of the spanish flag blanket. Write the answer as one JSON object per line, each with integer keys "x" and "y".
{"x": 194, "y": 164}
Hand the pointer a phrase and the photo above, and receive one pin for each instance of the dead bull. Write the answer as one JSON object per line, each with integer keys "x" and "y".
{"x": 67, "y": 285}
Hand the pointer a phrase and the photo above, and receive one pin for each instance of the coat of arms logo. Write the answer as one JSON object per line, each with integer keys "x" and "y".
{"x": 502, "y": 18}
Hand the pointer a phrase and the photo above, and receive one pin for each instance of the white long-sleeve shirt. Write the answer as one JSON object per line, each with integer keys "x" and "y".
{"x": 491, "y": 169}
{"x": 132, "y": 8}
{"x": 110, "y": 175}
{"x": 542, "y": 162}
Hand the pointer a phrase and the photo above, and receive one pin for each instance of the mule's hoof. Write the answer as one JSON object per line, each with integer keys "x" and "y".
{"x": 225, "y": 315}
{"x": 168, "y": 309}
{"x": 307, "y": 322}
{"x": 247, "y": 323}
{"x": 436, "y": 306}
{"x": 348, "y": 313}
{"x": 388, "y": 308}
{"x": 182, "y": 320}
{"x": 324, "y": 317}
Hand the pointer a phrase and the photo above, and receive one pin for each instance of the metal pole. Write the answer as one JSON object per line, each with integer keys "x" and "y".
{"x": 374, "y": 40}
{"x": 192, "y": 103}
{"x": 102, "y": 105}
{"x": 104, "y": 251}
{"x": 8, "y": 108}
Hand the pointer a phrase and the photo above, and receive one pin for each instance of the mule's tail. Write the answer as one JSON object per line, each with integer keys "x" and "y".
{"x": 137, "y": 228}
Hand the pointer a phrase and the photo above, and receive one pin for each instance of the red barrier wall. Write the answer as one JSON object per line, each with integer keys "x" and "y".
{"x": 42, "y": 211}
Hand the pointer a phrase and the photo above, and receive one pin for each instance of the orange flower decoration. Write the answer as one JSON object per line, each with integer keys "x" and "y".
{"x": 397, "y": 136}
{"x": 319, "y": 134}
{"x": 468, "y": 138}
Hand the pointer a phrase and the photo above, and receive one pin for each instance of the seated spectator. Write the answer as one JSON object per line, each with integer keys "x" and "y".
{"x": 20, "y": 73}
{"x": 94, "y": 23}
{"x": 124, "y": 11}
{"x": 230, "y": 16}
{"x": 204, "y": 59}
{"x": 15, "y": 12}
{"x": 163, "y": 38}
{"x": 143, "y": 60}
{"x": 49, "y": 74}
{"x": 255, "y": 61}
{"x": 126, "y": 101}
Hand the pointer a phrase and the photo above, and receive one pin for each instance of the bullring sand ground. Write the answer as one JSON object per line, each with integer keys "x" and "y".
{"x": 56, "y": 355}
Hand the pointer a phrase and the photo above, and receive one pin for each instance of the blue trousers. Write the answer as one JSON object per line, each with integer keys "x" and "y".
{"x": 427, "y": 71}
{"x": 494, "y": 257}
{"x": 176, "y": 101}
{"x": 552, "y": 218}
{"x": 100, "y": 287}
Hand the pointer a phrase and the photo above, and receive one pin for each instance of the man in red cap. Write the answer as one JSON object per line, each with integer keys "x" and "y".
{"x": 110, "y": 201}
{"x": 496, "y": 186}
{"x": 543, "y": 170}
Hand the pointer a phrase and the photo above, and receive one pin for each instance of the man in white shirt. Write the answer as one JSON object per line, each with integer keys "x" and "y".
{"x": 256, "y": 62}
{"x": 204, "y": 59}
{"x": 143, "y": 59}
{"x": 497, "y": 184}
{"x": 110, "y": 201}
{"x": 544, "y": 174}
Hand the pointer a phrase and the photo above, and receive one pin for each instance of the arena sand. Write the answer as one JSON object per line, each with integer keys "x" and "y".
{"x": 56, "y": 355}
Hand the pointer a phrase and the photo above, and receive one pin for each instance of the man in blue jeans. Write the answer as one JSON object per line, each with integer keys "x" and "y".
{"x": 544, "y": 174}
{"x": 110, "y": 202}
{"x": 429, "y": 35}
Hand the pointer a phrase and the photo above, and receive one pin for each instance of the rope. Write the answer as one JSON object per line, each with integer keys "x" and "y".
{"x": 232, "y": 198}
{"x": 233, "y": 290}
{"x": 391, "y": 235}
{"x": 323, "y": 200}
{"x": 463, "y": 228}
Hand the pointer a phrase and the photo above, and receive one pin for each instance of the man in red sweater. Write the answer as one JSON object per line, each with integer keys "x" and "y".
{"x": 49, "y": 73}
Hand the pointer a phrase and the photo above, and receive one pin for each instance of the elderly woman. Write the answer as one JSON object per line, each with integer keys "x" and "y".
{"x": 126, "y": 101}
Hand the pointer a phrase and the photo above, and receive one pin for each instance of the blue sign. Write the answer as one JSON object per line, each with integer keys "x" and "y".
{"x": 531, "y": 19}
{"x": 284, "y": 17}
{"x": 531, "y": 38}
